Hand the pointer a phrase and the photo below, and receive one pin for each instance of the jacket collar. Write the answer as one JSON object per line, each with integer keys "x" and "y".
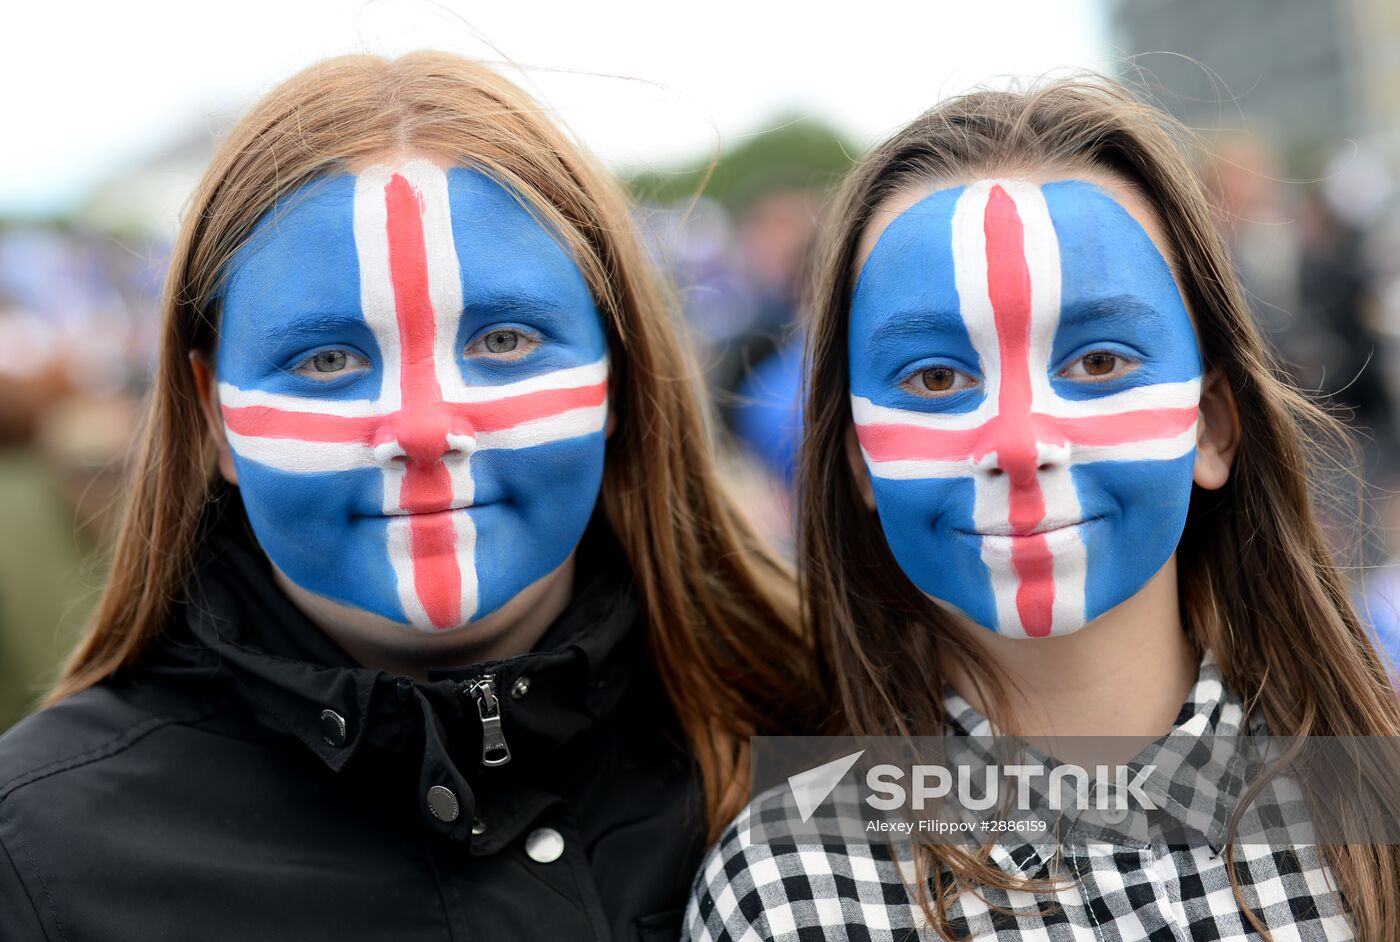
{"x": 239, "y": 627}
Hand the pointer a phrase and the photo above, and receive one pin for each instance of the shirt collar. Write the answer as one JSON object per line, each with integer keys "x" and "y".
{"x": 1199, "y": 775}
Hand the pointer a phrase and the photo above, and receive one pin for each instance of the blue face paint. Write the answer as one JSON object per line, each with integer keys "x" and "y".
{"x": 413, "y": 377}
{"x": 1025, "y": 381}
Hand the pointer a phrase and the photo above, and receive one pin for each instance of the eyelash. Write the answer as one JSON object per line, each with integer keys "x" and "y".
{"x": 1121, "y": 365}
{"x": 305, "y": 368}
{"x": 529, "y": 339}
{"x": 917, "y": 382}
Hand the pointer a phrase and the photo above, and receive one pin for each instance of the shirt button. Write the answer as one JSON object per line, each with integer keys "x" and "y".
{"x": 520, "y": 688}
{"x": 332, "y": 728}
{"x": 443, "y": 804}
{"x": 545, "y": 845}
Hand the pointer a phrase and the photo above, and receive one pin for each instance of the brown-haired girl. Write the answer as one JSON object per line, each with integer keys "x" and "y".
{"x": 1051, "y": 486}
{"x": 428, "y": 617}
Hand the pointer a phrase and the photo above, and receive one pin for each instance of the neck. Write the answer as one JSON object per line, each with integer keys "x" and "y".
{"x": 1124, "y": 674}
{"x": 513, "y": 629}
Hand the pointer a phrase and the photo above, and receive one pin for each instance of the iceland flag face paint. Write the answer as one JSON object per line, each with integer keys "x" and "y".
{"x": 1025, "y": 381}
{"x": 413, "y": 378}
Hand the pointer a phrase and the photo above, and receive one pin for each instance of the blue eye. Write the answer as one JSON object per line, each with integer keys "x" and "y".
{"x": 501, "y": 341}
{"x": 503, "y": 344}
{"x": 331, "y": 364}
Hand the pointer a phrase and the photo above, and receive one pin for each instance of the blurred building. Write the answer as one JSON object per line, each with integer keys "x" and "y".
{"x": 1308, "y": 74}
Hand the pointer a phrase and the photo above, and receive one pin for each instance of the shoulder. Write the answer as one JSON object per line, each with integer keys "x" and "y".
{"x": 90, "y": 728}
{"x": 761, "y": 882}
{"x": 61, "y": 771}
{"x": 70, "y": 764}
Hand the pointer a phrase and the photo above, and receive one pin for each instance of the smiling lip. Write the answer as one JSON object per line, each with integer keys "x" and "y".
{"x": 1041, "y": 529}
{"x": 447, "y": 511}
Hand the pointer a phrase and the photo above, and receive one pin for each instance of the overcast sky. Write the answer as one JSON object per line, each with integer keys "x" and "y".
{"x": 91, "y": 87}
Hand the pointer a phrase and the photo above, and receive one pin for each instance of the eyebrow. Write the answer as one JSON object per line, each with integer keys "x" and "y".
{"x": 513, "y": 302}
{"x": 912, "y": 324}
{"x": 309, "y": 326}
{"x": 1119, "y": 308}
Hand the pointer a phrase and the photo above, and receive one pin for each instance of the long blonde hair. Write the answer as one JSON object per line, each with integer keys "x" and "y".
{"x": 718, "y": 607}
{"x": 1257, "y": 584}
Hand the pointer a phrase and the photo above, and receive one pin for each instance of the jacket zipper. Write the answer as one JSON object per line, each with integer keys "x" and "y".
{"x": 494, "y": 750}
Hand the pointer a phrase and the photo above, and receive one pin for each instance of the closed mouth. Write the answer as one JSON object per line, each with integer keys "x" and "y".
{"x": 1043, "y": 528}
{"x": 446, "y": 513}
{"x": 430, "y": 513}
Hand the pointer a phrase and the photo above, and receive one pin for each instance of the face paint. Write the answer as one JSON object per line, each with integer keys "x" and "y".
{"x": 1025, "y": 381}
{"x": 413, "y": 377}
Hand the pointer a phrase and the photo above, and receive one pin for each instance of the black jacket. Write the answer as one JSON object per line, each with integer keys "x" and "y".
{"x": 249, "y": 781}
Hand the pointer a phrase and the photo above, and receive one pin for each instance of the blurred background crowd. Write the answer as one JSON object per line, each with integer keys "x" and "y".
{"x": 1297, "y": 103}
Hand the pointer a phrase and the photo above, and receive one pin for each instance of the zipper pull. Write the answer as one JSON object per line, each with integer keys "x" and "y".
{"x": 494, "y": 750}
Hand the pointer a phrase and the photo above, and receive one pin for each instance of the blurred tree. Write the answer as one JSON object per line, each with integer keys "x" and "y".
{"x": 47, "y": 587}
{"x": 798, "y": 153}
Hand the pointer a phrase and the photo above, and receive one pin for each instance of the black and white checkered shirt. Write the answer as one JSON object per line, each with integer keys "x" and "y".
{"x": 750, "y": 890}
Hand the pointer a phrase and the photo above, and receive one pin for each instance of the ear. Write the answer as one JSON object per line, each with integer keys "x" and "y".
{"x": 1217, "y": 432}
{"x": 208, "y": 392}
{"x": 859, "y": 472}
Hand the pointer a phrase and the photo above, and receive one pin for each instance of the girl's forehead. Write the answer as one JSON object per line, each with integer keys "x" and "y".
{"x": 911, "y": 202}
{"x": 1084, "y": 256}
{"x": 309, "y": 249}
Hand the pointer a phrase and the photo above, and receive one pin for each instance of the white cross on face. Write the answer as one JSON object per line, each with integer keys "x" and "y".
{"x": 1006, "y": 324}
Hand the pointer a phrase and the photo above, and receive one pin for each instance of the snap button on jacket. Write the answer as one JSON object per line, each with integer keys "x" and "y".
{"x": 247, "y": 780}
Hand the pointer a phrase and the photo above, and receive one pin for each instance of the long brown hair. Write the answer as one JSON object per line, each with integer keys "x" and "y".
{"x": 1257, "y": 584}
{"x": 719, "y": 608}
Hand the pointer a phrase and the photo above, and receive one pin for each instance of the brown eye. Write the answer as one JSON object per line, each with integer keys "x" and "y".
{"x": 938, "y": 378}
{"x": 1099, "y": 364}
{"x": 329, "y": 361}
{"x": 501, "y": 341}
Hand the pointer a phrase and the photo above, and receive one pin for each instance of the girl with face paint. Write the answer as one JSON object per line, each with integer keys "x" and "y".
{"x": 429, "y": 617}
{"x": 1051, "y": 486}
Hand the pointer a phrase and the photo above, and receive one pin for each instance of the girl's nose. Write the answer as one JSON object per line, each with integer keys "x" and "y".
{"x": 424, "y": 436}
{"x": 1016, "y": 449}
